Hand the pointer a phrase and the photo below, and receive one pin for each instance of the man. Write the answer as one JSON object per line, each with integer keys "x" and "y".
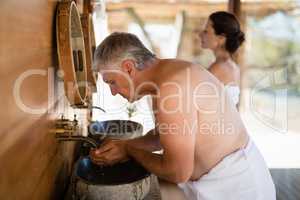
{"x": 206, "y": 148}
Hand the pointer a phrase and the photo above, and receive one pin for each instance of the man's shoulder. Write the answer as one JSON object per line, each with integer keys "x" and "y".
{"x": 181, "y": 63}
{"x": 180, "y": 68}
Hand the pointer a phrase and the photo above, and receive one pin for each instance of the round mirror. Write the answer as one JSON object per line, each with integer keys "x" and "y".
{"x": 71, "y": 52}
{"x": 90, "y": 46}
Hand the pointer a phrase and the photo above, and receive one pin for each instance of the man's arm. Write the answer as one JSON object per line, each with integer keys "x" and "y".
{"x": 176, "y": 164}
{"x": 177, "y": 129}
{"x": 112, "y": 151}
{"x": 177, "y": 137}
{"x": 149, "y": 142}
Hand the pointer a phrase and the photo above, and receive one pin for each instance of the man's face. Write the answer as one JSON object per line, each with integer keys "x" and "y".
{"x": 120, "y": 79}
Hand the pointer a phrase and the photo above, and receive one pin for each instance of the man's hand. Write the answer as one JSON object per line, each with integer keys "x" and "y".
{"x": 110, "y": 152}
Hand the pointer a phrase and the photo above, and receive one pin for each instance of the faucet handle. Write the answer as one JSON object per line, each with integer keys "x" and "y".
{"x": 75, "y": 121}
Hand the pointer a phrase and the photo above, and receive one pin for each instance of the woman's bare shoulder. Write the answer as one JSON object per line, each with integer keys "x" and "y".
{"x": 216, "y": 68}
{"x": 224, "y": 67}
{"x": 225, "y": 71}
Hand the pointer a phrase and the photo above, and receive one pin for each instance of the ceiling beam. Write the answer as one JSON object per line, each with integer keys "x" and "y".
{"x": 201, "y": 9}
{"x": 141, "y": 23}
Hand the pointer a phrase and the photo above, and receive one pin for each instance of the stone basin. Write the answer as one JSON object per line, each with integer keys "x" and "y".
{"x": 127, "y": 180}
{"x": 116, "y": 129}
{"x": 121, "y": 173}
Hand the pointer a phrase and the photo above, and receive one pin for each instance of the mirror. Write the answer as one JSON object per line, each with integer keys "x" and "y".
{"x": 90, "y": 46}
{"x": 71, "y": 52}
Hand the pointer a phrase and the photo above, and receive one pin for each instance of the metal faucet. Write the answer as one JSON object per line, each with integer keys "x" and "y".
{"x": 65, "y": 131}
{"x": 87, "y": 106}
{"x": 69, "y": 138}
{"x": 66, "y": 126}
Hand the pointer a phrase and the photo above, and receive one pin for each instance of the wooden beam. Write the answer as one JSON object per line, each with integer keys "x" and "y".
{"x": 234, "y": 6}
{"x": 87, "y": 6}
{"x": 197, "y": 10}
{"x": 141, "y": 23}
{"x": 179, "y": 26}
{"x": 168, "y": 10}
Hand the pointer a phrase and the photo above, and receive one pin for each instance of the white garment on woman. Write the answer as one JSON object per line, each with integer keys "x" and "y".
{"x": 242, "y": 175}
{"x": 234, "y": 93}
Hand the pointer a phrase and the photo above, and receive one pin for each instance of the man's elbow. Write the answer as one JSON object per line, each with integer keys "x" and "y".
{"x": 181, "y": 176}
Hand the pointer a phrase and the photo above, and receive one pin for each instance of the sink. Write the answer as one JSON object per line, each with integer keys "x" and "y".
{"x": 122, "y": 181}
{"x": 115, "y": 129}
{"x": 120, "y": 173}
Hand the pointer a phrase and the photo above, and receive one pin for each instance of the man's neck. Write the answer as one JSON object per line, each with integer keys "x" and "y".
{"x": 148, "y": 77}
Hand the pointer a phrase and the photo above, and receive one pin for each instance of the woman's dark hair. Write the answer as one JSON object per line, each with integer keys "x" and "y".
{"x": 226, "y": 24}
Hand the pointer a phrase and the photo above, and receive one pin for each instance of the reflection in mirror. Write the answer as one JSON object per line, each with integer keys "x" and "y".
{"x": 71, "y": 52}
{"x": 75, "y": 59}
{"x": 77, "y": 43}
{"x": 80, "y": 59}
{"x": 90, "y": 46}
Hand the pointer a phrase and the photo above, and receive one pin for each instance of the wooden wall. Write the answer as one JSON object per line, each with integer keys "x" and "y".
{"x": 33, "y": 164}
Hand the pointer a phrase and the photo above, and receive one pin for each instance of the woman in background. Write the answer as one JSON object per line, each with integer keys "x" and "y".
{"x": 222, "y": 35}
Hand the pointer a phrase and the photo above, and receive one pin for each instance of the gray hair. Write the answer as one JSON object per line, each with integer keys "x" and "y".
{"x": 118, "y": 46}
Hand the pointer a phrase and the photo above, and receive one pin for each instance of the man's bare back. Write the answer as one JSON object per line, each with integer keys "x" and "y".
{"x": 219, "y": 129}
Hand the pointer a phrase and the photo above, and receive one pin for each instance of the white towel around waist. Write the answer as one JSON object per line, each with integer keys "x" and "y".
{"x": 242, "y": 175}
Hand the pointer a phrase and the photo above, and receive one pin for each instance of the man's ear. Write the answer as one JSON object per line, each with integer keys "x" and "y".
{"x": 128, "y": 66}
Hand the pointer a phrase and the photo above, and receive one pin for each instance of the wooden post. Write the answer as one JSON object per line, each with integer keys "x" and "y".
{"x": 179, "y": 27}
{"x": 141, "y": 23}
{"x": 234, "y": 6}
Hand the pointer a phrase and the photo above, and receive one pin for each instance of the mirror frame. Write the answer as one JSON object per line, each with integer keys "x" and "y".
{"x": 71, "y": 52}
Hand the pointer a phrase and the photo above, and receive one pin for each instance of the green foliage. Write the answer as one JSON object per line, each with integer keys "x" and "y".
{"x": 267, "y": 53}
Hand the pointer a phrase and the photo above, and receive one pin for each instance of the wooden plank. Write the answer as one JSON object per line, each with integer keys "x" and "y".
{"x": 287, "y": 183}
{"x": 180, "y": 23}
{"x": 199, "y": 9}
{"x": 166, "y": 10}
{"x": 141, "y": 23}
{"x": 234, "y": 6}
{"x": 31, "y": 158}
{"x": 55, "y": 179}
